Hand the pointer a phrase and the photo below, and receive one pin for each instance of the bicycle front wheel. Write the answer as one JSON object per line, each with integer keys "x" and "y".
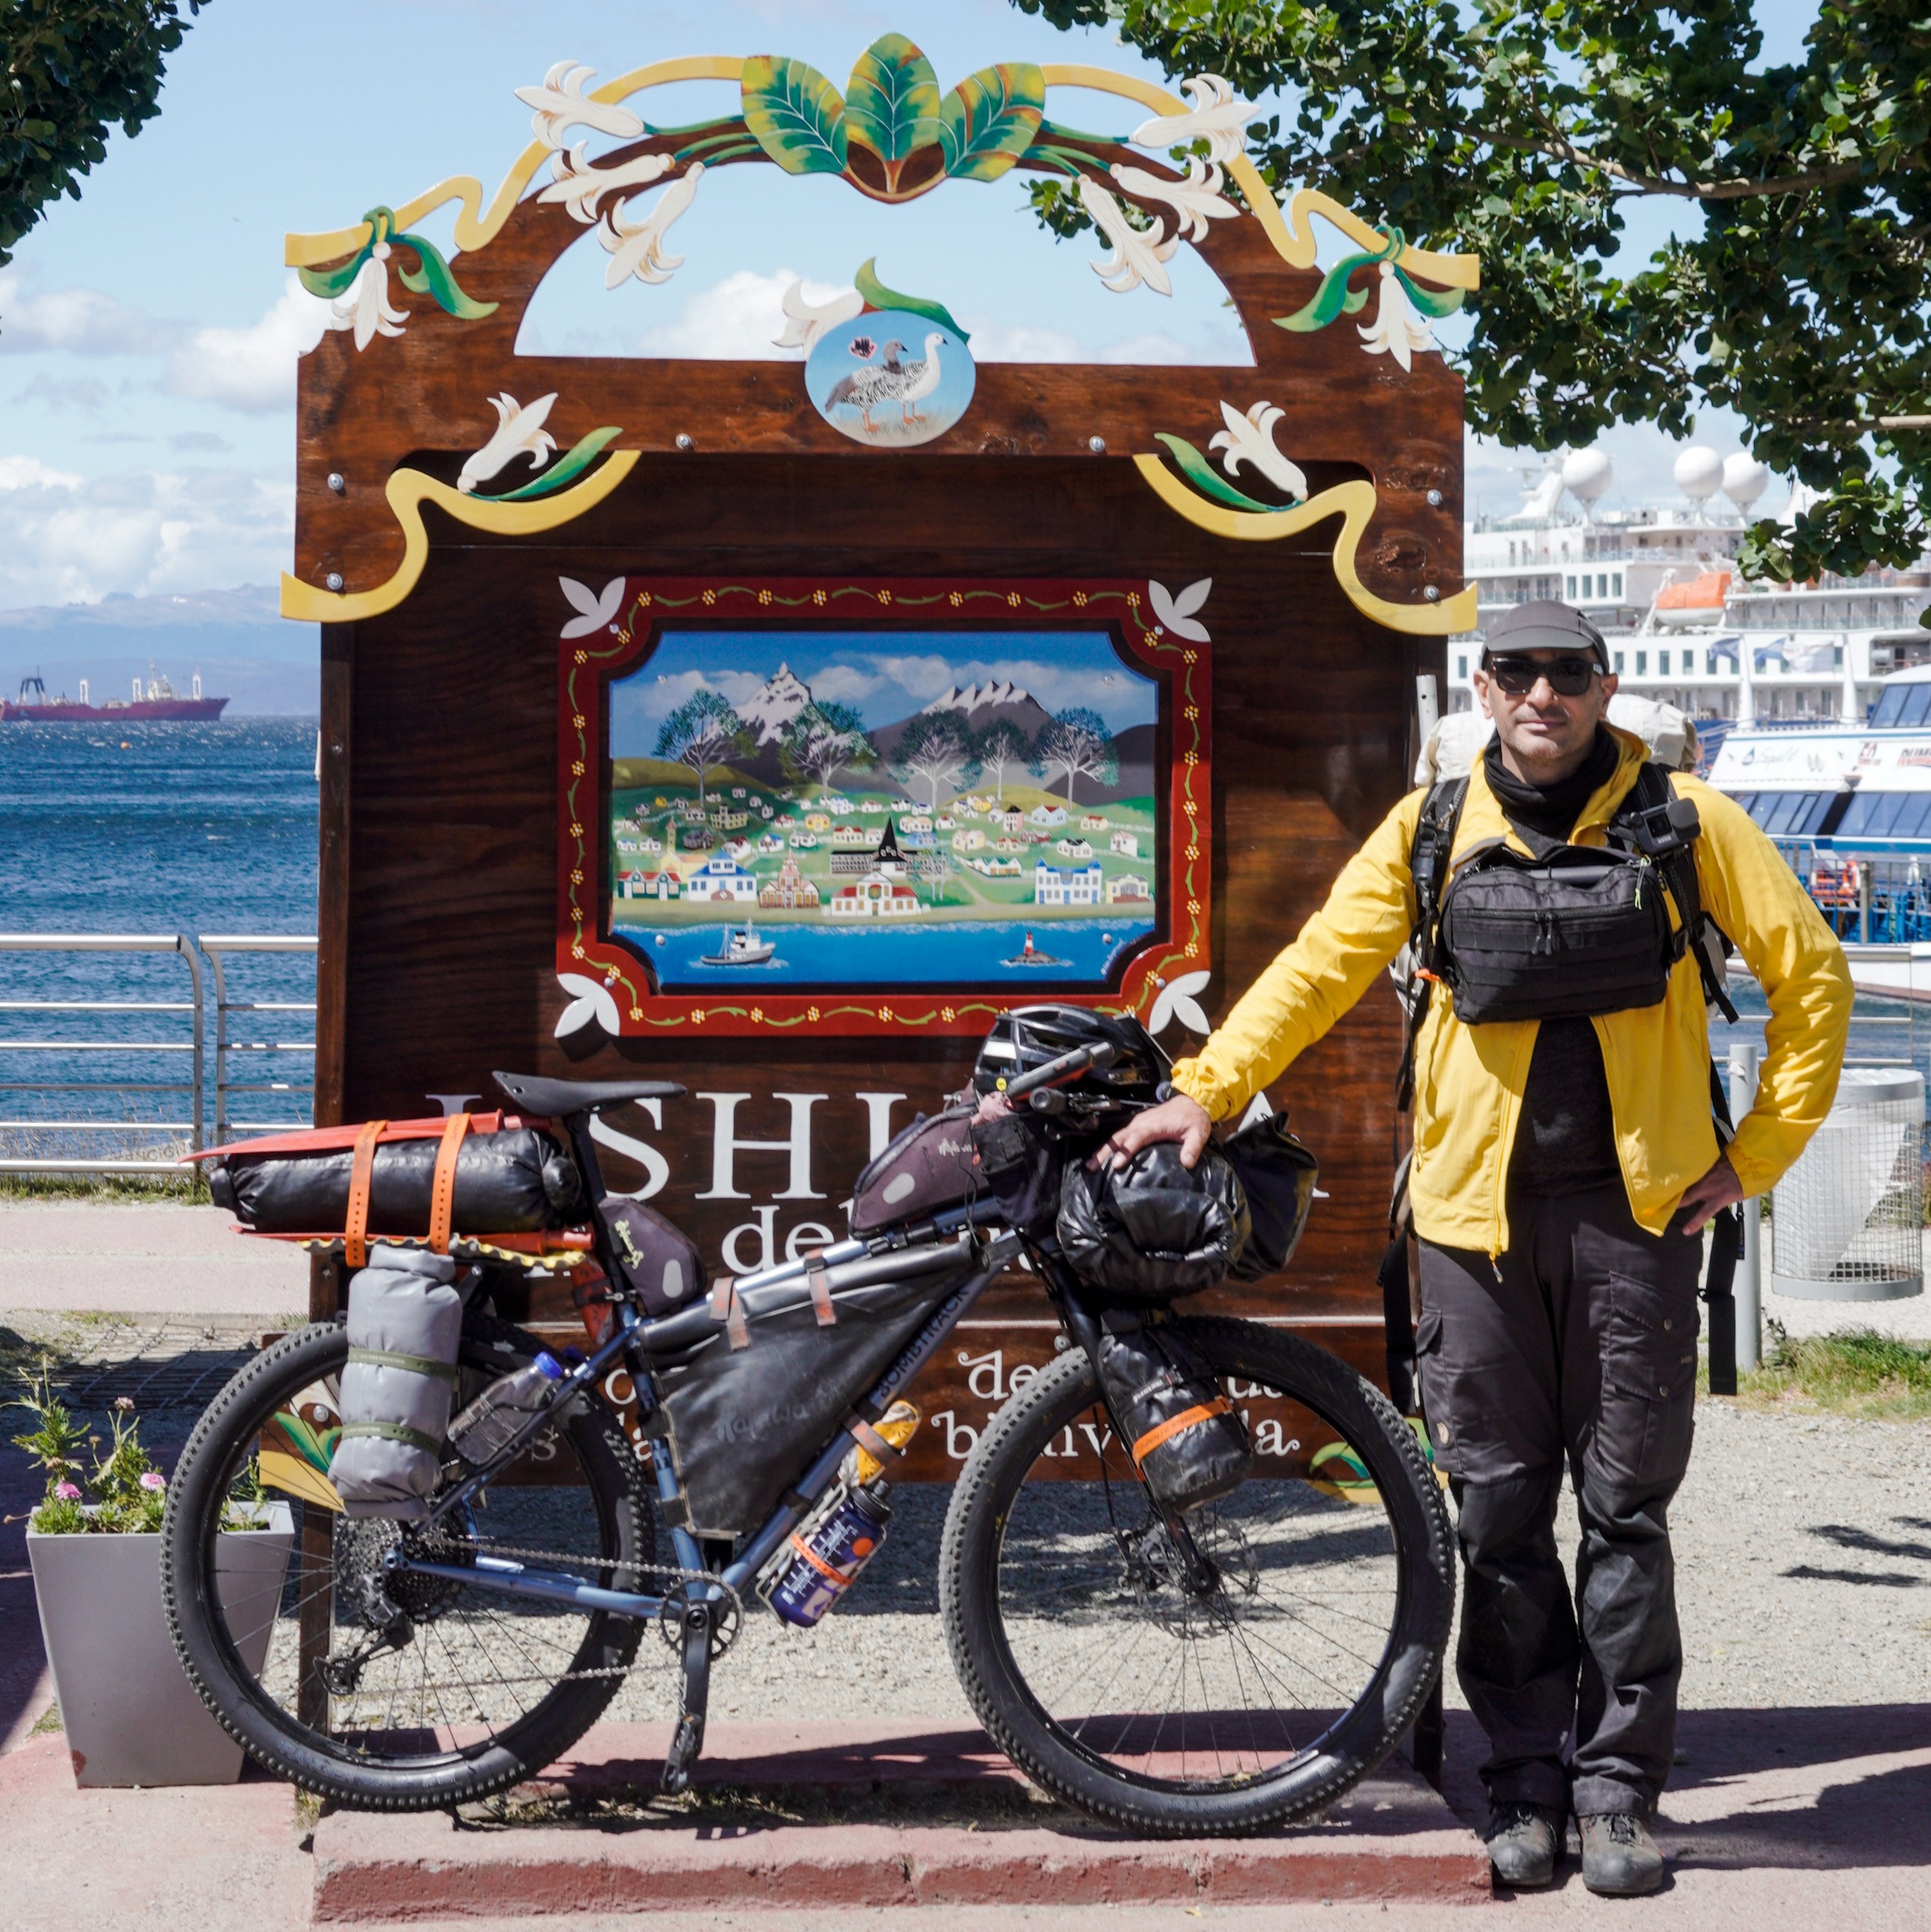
{"x": 1249, "y": 1703}
{"x": 394, "y": 1692}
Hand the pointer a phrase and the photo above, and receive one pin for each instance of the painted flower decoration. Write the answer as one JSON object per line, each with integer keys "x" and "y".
{"x": 1195, "y": 201}
{"x": 1175, "y": 610}
{"x": 520, "y": 432}
{"x": 589, "y": 1000}
{"x": 594, "y": 613}
{"x": 579, "y": 186}
{"x": 805, "y": 321}
{"x": 639, "y": 250}
{"x": 1399, "y": 328}
{"x": 1136, "y": 257}
{"x": 1218, "y": 117}
{"x": 1250, "y": 438}
{"x": 363, "y": 306}
{"x": 1176, "y": 1001}
{"x": 560, "y": 104}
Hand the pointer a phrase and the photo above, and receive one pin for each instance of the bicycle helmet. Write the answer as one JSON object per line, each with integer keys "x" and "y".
{"x": 1031, "y": 1036}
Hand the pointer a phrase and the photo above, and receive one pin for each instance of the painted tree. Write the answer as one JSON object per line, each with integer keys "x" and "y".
{"x": 1078, "y": 744}
{"x": 72, "y": 71}
{"x": 703, "y": 733}
{"x": 936, "y": 748}
{"x": 822, "y": 741}
{"x": 1001, "y": 744}
{"x": 1795, "y": 289}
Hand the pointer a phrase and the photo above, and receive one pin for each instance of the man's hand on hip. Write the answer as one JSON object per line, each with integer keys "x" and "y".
{"x": 1718, "y": 1189}
{"x": 1179, "y": 1119}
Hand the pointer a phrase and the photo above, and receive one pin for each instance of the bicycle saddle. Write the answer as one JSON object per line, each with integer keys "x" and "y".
{"x": 557, "y": 1098}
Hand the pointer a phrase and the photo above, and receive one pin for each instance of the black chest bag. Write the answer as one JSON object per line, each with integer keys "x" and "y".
{"x": 1577, "y": 931}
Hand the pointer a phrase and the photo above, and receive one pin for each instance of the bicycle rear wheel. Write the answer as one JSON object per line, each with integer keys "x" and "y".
{"x": 475, "y": 1690}
{"x": 1246, "y": 1705}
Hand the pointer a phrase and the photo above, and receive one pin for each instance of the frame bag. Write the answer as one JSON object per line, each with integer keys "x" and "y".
{"x": 405, "y": 1329}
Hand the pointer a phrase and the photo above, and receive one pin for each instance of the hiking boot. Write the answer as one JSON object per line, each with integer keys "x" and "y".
{"x": 1619, "y": 1857}
{"x": 1522, "y": 1842}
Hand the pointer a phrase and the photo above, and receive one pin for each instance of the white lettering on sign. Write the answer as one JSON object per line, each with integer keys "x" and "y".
{"x": 1269, "y": 1441}
{"x": 987, "y": 1378}
{"x": 725, "y": 1146}
{"x": 957, "y": 1433}
{"x": 807, "y": 1234}
{"x": 656, "y": 1170}
{"x": 878, "y": 1120}
{"x": 764, "y": 1226}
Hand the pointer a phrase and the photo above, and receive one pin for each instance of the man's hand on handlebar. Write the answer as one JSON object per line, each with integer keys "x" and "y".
{"x": 1179, "y": 1119}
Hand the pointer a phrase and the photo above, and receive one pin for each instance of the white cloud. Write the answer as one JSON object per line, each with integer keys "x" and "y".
{"x": 251, "y": 368}
{"x": 81, "y": 321}
{"x": 65, "y": 539}
{"x": 1033, "y": 342}
{"x": 737, "y": 319}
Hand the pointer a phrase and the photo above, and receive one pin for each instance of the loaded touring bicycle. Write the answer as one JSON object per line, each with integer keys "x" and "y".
{"x": 1196, "y": 1576}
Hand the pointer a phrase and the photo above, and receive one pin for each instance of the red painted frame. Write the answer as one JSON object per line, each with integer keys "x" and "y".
{"x": 587, "y": 663}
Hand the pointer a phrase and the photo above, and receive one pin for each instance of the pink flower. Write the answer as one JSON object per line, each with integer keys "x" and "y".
{"x": 153, "y": 1479}
{"x": 68, "y": 1492}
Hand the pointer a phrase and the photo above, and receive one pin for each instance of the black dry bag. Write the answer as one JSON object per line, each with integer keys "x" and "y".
{"x": 1277, "y": 1174}
{"x": 1143, "y": 1234}
{"x": 1182, "y": 1433}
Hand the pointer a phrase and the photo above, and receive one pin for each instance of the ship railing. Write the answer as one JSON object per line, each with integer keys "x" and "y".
{"x": 269, "y": 1055}
{"x": 54, "y": 1143}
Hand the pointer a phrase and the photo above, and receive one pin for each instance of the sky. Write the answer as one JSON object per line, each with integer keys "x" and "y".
{"x": 148, "y": 332}
{"x": 883, "y": 676}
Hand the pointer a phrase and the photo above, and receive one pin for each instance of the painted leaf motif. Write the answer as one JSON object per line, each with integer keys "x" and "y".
{"x": 988, "y": 119}
{"x": 435, "y": 278}
{"x": 892, "y": 101}
{"x": 1202, "y": 475}
{"x": 878, "y": 295}
{"x": 567, "y": 468}
{"x": 794, "y": 114}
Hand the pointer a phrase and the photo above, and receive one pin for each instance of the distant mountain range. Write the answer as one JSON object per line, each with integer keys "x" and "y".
{"x": 244, "y": 649}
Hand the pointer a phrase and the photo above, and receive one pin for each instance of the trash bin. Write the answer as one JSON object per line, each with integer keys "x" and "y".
{"x": 1847, "y": 1220}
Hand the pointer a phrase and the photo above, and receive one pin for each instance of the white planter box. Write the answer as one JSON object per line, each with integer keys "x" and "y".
{"x": 130, "y": 1716}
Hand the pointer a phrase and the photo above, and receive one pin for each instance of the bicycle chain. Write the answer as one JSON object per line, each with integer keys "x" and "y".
{"x": 733, "y": 1613}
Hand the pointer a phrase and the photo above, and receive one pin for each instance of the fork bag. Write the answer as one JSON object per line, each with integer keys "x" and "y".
{"x": 405, "y": 1330}
{"x": 1183, "y": 1435}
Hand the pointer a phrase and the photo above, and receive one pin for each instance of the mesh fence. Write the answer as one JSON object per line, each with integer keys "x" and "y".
{"x": 1850, "y": 1211}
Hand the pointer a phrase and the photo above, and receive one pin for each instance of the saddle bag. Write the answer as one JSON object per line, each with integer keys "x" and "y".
{"x": 761, "y": 1376}
{"x": 1185, "y": 1436}
{"x": 508, "y": 1178}
{"x": 1142, "y": 1234}
{"x": 405, "y": 1330}
{"x": 929, "y": 1166}
{"x": 1278, "y": 1175}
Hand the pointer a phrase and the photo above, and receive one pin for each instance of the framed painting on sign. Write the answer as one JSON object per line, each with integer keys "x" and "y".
{"x": 862, "y": 807}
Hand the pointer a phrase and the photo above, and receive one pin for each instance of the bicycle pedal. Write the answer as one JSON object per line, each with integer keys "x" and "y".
{"x": 684, "y": 1746}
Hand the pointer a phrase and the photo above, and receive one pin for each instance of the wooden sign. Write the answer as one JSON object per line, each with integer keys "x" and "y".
{"x": 771, "y": 726}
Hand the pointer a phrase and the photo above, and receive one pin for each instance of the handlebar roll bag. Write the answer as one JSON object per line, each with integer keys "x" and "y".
{"x": 405, "y": 1330}
{"x": 1183, "y": 1434}
{"x": 1143, "y": 1234}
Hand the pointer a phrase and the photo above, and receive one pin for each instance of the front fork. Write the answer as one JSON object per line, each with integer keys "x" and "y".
{"x": 1199, "y": 1576}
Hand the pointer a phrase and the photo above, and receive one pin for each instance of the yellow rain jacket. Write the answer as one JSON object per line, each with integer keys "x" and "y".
{"x": 1469, "y": 1079}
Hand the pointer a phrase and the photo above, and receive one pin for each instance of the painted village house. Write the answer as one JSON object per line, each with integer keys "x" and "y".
{"x": 788, "y": 890}
{"x": 1079, "y": 886}
{"x": 722, "y": 878}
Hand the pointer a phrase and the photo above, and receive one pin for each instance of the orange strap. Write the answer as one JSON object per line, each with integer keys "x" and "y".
{"x": 442, "y": 1185}
{"x": 868, "y": 1439}
{"x": 361, "y": 1169}
{"x": 1201, "y": 1412}
{"x": 725, "y": 1308}
{"x": 820, "y": 1287}
{"x": 818, "y": 1564}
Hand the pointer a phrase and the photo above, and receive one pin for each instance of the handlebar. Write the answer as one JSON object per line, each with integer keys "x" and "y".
{"x": 1068, "y": 1066}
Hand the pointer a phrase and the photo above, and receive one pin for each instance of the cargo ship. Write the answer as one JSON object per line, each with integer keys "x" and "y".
{"x": 157, "y": 700}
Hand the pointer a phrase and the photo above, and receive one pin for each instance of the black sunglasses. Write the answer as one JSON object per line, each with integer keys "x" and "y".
{"x": 1569, "y": 677}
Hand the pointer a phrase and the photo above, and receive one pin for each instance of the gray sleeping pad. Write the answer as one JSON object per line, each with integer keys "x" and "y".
{"x": 404, "y": 1328}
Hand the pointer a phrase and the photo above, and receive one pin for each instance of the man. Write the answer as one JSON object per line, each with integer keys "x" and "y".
{"x": 1563, "y": 1171}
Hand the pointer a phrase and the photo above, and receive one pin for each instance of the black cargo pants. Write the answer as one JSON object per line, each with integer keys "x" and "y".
{"x": 1580, "y": 1342}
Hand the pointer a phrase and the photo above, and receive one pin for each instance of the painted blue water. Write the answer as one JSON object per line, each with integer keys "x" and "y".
{"x": 869, "y": 955}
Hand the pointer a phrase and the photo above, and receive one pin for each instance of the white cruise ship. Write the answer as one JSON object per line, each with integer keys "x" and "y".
{"x": 1683, "y": 627}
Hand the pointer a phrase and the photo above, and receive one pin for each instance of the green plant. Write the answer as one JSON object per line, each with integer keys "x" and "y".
{"x": 1856, "y": 1371}
{"x": 129, "y": 1492}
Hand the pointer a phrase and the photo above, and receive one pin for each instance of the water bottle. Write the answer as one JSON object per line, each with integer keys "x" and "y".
{"x": 827, "y": 1557}
{"x": 480, "y": 1430}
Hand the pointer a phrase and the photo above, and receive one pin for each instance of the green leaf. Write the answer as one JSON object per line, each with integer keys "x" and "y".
{"x": 878, "y": 295}
{"x": 567, "y": 467}
{"x": 1332, "y": 298}
{"x": 435, "y": 278}
{"x": 988, "y": 119}
{"x": 892, "y": 101}
{"x": 1203, "y": 475}
{"x": 330, "y": 283}
{"x": 794, "y": 114}
{"x": 1435, "y": 302}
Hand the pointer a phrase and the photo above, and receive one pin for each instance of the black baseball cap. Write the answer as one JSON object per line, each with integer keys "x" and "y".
{"x": 1543, "y": 625}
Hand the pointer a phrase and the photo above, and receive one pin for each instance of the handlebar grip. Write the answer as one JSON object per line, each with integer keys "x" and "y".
{"x": 1068, "y": 1066}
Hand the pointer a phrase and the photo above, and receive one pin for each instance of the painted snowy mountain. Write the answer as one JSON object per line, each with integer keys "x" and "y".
{"x": 995, "y": 694}
{"x": 782, "y": 698}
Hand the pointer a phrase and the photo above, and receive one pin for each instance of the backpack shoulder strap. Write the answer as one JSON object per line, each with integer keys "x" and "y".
{"x": 1654, "y": 788}
{"x": 1427, "y": 866}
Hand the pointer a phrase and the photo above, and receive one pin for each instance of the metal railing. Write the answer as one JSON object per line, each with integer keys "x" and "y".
{"x": 143, "y": 1125}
